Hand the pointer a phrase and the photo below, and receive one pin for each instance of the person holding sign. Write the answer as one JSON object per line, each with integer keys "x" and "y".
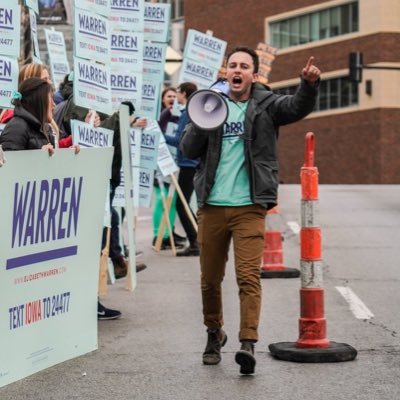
{"x": 236, "y": 183}
{"x": 167, "y": 121}
{"x": 28, "y": 128}
{"x": 40, "y": 71}
{"x": 187, "y": 169}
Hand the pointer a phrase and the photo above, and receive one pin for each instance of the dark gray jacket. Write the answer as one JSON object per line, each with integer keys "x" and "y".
{"x": 24, "y": 132}
{"x": 266, "y": 111}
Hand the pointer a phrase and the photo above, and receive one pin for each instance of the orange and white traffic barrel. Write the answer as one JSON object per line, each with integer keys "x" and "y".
{"x": 312, "y": 344}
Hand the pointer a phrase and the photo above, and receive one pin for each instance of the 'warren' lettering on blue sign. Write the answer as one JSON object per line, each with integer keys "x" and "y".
{"x": 152, "y": 53}
{"x": 155, "y": 13}
{"x": 123, "y": 82}
{"x": 45, "y": 211}
{"x": 207, "y": 43}
{"x": 148, "y": 91}
{"x": 55, "y": 39}
{"x": 124, "y": 4}
{"x": 92, "y": 74}
{"x": 5, "y": 70}
{"x": 122, "y": 42}
{"x": 197, "y": 69}
{"x": 92, "y": 25}
{"x": 93, "y": 136}
{"x": 6, "y": 18}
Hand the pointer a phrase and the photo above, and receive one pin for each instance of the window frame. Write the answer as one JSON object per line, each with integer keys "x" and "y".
{"x": 281, "y": 37}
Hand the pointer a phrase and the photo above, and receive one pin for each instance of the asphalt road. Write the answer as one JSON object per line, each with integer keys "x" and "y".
{"x": 154, "y": 350}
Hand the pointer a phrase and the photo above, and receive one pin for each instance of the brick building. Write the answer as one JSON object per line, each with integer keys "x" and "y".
{"x": 356, "y": 126}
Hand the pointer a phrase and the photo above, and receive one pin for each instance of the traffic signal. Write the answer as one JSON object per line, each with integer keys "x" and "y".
{"x": 355, "y": 67}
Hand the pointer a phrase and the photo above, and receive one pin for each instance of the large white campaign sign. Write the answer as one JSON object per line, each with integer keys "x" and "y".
{"x": 10, "y": 28}
{"x": 92, "y": 85}
{"x": 199, "y": 73}
{"x": 156, "y": 21}
{"x": 204, "y": 48}
{"x": 128, "y": 15}
{"x": 8, "y": 79}
{"x": 91, "y": 33}
{"x": 50, "y": 243}
{"x": 59, "y": 65}
{"x": 154, "y": 55}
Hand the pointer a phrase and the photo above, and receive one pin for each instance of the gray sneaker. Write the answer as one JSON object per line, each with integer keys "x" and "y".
{"x": 245, "y": 358}
{"x": 216, "y": 339}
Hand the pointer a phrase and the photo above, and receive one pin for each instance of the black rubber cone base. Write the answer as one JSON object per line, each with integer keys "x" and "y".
{"x": 336, "y": 352}
{"x": 280, "y": 273}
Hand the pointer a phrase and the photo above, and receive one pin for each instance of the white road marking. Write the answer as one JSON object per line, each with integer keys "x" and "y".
{"x": 294, "y": 226}
{"x": 357, "y": 307}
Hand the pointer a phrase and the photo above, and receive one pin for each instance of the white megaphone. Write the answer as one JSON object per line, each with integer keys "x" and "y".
{"x": 207, "y": 108}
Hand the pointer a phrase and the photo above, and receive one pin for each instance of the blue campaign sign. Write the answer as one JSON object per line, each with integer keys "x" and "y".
{"x": 127, "y": 50}
{"x": 150, "y": 106}
{"x": 148, "y": 140}
{"x": 8, "y": 80}
{"x": 10, "y": 28}
{"x": 204, "y": 49}
{"x": 154, "y": 55}
{"x": 87, "y": 135}
{"x": 157, "y": 18}
{"x": 146, "y": 180}
{"x": 91, "y": 36}
{"x": 58, "y": 61}
{"x": 128, "y": 15}
{"x": 199, "y": 73}
{"x": 92, "y": 85}
{"x": 126, "y": 86}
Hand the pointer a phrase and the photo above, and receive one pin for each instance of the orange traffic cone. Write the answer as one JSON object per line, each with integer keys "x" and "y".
{"x": 273, "y": 266}
{"x": 312, "y": 344}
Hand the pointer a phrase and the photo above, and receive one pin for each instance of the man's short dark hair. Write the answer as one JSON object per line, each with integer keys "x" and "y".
{"x": 249, "y": 51}
{"x": 188, "y": 88}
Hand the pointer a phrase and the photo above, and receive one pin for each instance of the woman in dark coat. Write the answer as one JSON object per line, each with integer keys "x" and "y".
{"x": 29, "y": 128}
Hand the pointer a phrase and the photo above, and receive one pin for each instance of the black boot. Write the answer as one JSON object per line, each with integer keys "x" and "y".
{"x": 192, "y": 250}
{"x": 215, "y": 340}
{"x": 245, "y": 358}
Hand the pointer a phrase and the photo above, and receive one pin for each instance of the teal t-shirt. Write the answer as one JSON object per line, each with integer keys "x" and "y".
{"x": 231, "y": 186}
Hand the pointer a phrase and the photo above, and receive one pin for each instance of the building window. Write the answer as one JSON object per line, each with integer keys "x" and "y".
{"x": 315, "y": 26}
{"x": 333, "y": 93}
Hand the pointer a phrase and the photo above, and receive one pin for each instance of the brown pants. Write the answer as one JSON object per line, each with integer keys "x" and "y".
{"x": 216, "y": 227}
